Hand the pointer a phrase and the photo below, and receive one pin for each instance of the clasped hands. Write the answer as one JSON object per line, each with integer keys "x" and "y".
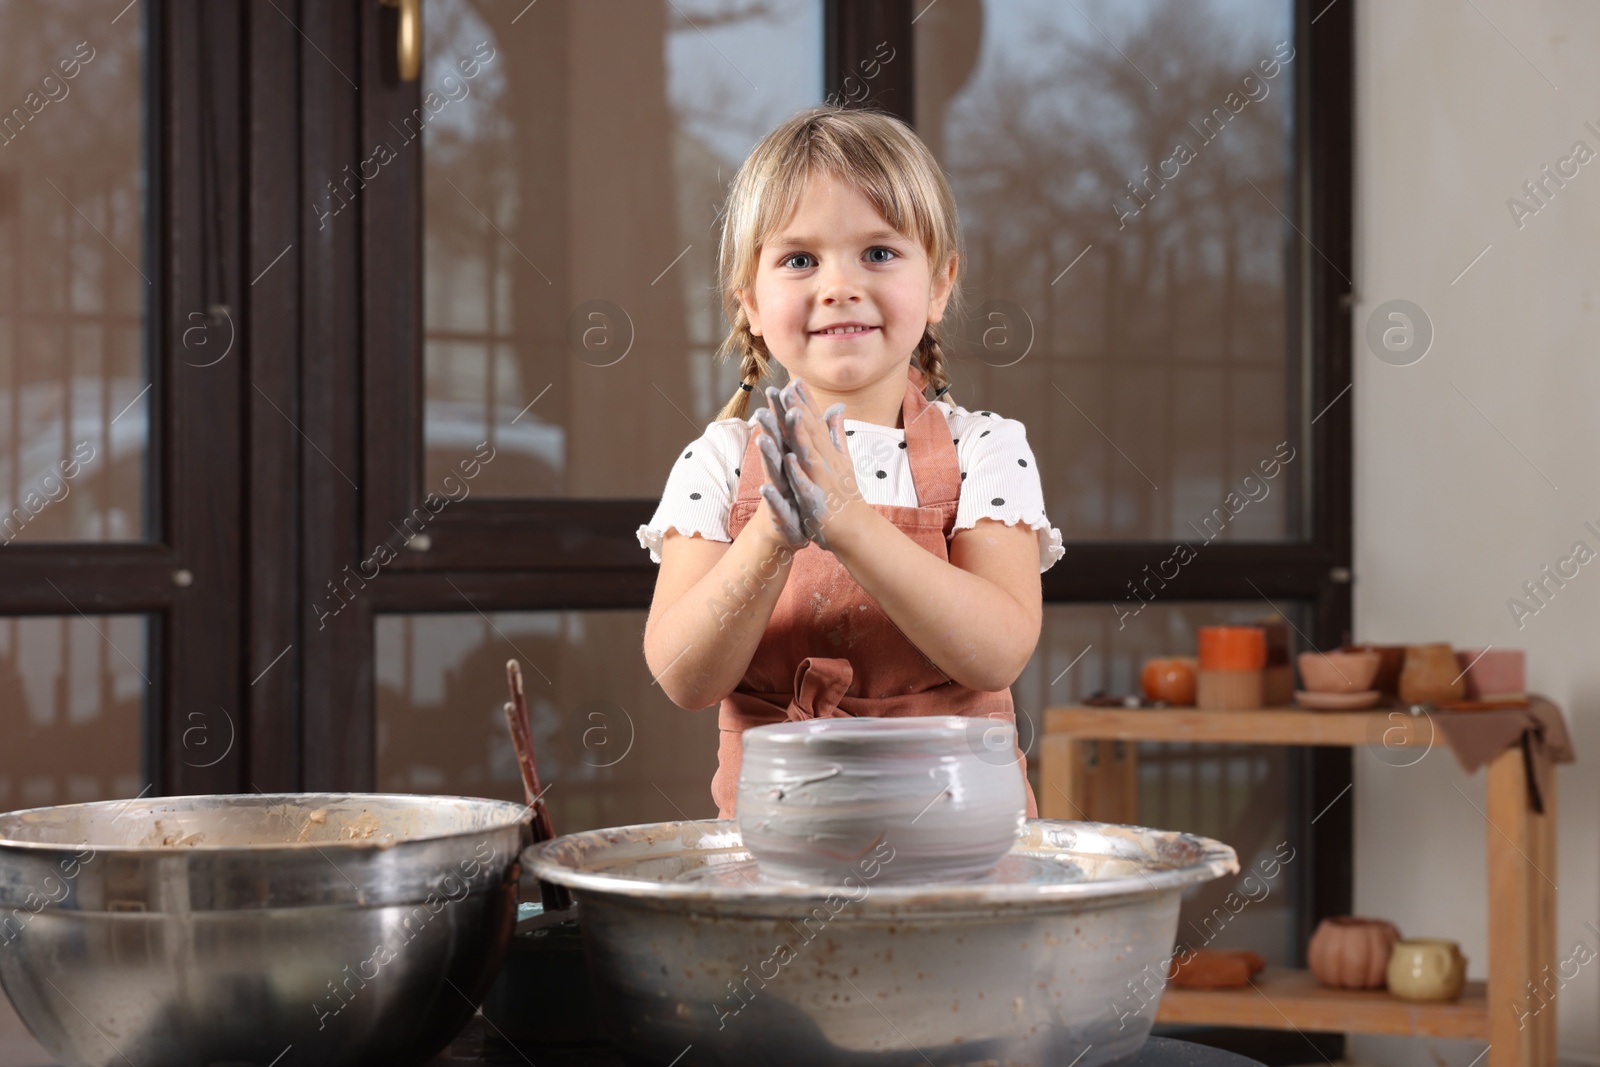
{"x": 810, "y": 477}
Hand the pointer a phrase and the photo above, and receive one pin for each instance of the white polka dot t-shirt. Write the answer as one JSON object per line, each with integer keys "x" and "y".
{"x": 999, "y": 478}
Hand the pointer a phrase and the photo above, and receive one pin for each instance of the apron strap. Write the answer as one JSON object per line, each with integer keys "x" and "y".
{"x": 935, "y": 470}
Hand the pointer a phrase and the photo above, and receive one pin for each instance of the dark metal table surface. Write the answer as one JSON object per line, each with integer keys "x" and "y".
{"x": 479, "y": 1045}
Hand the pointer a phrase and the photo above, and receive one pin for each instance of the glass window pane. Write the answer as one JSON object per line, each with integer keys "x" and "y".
{"x": 569, "y": 312}
{"x": 73, "y": 693}
{"x": 74, "y": 280}
{"x": 1123, "y": 173}
{"x": 611, "y": 749}
{"x": 1238, "y": 794}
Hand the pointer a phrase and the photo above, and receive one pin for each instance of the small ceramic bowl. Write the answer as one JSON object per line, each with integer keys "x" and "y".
{"x": 1426, "y": 969}
{"x": 1339, "y": 672}
{"x": 922, "y": 798}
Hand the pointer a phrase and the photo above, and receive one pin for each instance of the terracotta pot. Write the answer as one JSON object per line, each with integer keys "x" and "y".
{"x": 1350, "y": 952}
{"x": 1339, "y": 672}
{"x": 1431, "y": 674}
{"x": 1232, "y": 648}
{"x": 1391, "y": 658}
{"x": 1169, "y": 680}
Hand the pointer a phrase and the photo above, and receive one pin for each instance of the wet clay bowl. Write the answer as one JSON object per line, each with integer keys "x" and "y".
{"x": 943, "y": 792}
{"x": 1339, "y": 672}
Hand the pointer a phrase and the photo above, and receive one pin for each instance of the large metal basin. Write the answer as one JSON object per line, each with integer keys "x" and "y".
{"x": 301, "y": 928}
{"x": 1057, "y": 958}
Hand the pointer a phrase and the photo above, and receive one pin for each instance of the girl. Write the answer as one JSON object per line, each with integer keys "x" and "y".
{"x": 879, "y": 557}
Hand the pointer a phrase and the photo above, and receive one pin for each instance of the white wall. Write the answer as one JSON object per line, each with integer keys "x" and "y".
{"x": 1454, "y": 505}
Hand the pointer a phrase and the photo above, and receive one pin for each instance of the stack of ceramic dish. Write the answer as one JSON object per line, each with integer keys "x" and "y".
{"x": 1233, "y": 661}
{"x": 1339, "y": 681}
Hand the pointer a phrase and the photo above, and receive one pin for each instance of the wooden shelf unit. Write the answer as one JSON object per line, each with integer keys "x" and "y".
{"x": 1088, "y": 769}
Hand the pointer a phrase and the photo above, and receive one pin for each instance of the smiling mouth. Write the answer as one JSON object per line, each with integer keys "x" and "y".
{"x": 851, "y": 331}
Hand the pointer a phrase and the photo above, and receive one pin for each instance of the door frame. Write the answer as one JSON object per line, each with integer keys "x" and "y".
{"x": 186, "y": 577}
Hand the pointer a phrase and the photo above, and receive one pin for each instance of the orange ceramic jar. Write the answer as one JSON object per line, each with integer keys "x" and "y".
{"x": 1168, "y": 680}
{"x": 1232, "y": 648}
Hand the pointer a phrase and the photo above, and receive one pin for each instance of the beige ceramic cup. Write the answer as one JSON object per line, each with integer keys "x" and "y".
{"x": 1426, "y": 969}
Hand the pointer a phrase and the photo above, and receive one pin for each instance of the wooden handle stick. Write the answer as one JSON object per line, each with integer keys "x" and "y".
{"x": 555, "y": 897}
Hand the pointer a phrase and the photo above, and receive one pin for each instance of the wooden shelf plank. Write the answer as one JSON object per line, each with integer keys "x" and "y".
{"x": 1387, "y": 726}
{"x": 1286, "y": 999}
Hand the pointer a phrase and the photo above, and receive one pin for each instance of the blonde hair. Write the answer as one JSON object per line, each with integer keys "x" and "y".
{"x": 882, "y": 158}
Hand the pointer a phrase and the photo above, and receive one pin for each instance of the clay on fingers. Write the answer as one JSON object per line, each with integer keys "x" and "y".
{"x": 812, "y": 502}
{"x": 777, "y": 491}
{"x": 834, "y": 419}
{"x": 788, "y": 519}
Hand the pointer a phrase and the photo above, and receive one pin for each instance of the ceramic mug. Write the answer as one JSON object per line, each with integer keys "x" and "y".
{"x": 1426, "y": 969}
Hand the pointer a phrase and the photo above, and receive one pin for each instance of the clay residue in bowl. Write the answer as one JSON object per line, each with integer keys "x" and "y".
{"x": 362, "y": 827}
{"x": 171, "y": 838}
{"x": 316, "y": 817}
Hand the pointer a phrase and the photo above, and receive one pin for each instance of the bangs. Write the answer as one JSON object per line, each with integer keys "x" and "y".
{"x": 778, "y": 197}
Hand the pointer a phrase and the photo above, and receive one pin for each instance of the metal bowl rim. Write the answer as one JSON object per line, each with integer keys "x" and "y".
{"x": 525, "y": 817}
{"x": 1213, "y": 860}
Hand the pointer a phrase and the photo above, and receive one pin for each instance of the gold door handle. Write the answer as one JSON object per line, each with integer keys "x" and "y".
{"x": 408, "y": 41}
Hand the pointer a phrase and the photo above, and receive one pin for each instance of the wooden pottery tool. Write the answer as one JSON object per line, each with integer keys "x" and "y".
{"x": 555, "y": 897}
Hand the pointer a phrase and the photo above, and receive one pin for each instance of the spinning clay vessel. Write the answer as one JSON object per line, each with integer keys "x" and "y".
{"x": 944, "y": 792}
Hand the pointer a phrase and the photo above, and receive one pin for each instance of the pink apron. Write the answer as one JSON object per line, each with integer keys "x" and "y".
{"x": 829, "y": 650}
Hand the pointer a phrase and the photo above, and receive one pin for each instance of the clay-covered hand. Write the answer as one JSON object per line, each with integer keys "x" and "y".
{"x": 818, "y": 463}
{"x": 776, "y": 490}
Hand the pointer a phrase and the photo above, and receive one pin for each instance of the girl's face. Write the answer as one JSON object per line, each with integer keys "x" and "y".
{"x": 838, "y": 261}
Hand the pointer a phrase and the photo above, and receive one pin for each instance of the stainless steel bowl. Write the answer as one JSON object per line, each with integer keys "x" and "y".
{"x": 1059, "y": 954}
{"x": 299, "y": 928}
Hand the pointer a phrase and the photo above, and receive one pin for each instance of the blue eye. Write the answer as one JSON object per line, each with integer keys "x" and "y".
{"x": 881, "y": 248}
{"x": 784, "y": 262}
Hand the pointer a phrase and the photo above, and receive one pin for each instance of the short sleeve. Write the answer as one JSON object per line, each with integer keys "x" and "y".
{"x": 1000, "y": 480}
{"x": 698, "y": 497}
